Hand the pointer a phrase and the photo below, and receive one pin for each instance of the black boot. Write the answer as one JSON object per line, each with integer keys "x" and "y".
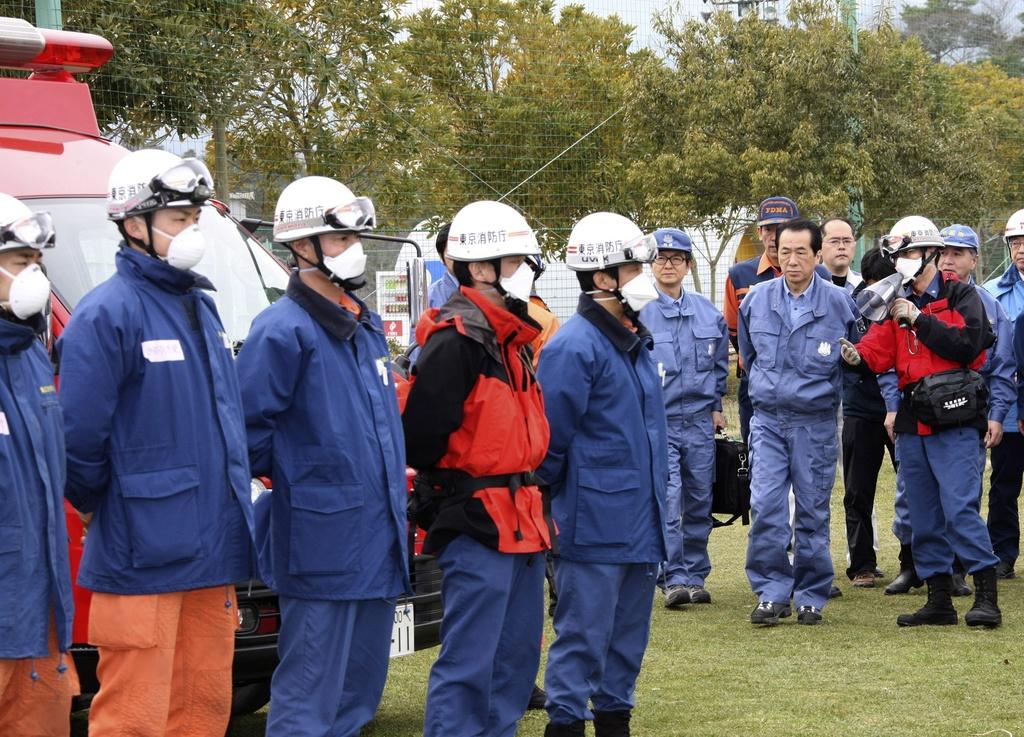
{"x": 537, "y": 698}
{"x": 985, "y": 612}
{"x": 960, "y": 587}
{"x": 907, "y": 579}
{"x": 611, "y": 723}
{"x": 574, "y": 729}
{"x": 939, "y": 607}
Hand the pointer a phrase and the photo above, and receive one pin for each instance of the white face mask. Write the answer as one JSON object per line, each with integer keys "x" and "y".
{"x": 639, "y": 292}
{"x": 908, "y": 267}
{"x": 349, "y": 264}
{"x": 29, "y": 292}
{"x": 520, "y": 284}
{"x": 186, "y": 249}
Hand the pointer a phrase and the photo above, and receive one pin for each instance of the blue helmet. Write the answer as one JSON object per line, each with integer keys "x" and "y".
{"x": 672, "y": 239}
{"x": 960, "y": 236}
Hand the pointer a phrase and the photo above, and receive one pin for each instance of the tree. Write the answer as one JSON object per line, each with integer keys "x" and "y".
{"x": 956, "y": 31}
{"x": 743, "y": 109}
{"x": 512, "y": 93}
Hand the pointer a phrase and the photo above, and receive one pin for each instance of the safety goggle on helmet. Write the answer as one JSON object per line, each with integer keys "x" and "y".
{"x": 33, "y": 231}
{"x": 357, "y": 216}
{"x": 186, "y": 184}
{"x": 642, "y": 250}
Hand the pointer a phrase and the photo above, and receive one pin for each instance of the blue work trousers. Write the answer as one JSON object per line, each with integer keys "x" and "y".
{"x": 602, "y": 623}
{"x": 942, "y": 473}
{"x": 333, "y": 665}
{"x": 481, "y": 682}
{"x": 800, "y": 453}
{"x": 691, "y": 469}
{"x": 1007, "y": 473}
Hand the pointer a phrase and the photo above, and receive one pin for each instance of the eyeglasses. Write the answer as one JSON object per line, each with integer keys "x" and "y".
{"x": 676, "y": 259}
{"x": 1015, "y": 243}
{"x": 840, "y": 241}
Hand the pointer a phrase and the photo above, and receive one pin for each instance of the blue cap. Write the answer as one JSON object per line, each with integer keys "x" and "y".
{"x": 960, "y": 236}
{"x": 776, "y": 210}
{"x": 672, "y": 239}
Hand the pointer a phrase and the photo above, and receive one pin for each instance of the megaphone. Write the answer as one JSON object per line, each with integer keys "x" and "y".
{"x": 874, "y": 302}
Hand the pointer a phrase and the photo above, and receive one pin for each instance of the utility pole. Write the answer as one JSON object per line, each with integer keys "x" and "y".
{"x": 48, "y": 15}
{"x": 855, "y": 210}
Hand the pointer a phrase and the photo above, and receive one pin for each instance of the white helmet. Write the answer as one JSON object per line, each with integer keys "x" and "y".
{"x": 152, "y": 179}
{"x": 22, "y": 228}
{"x": 604, "y": 239}
{"x": 314, "y": 205}
{"x": 486, "y": 230}
{"x": 1014, "y": 226}
{"x": 912, "y": 231}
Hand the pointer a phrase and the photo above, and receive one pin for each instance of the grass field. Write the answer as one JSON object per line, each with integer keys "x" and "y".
{"x": 709, "y": 673}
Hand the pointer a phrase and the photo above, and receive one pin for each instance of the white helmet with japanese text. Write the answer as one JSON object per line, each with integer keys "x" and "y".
{"x": 487, "y": 230}
{"x": 603, "y": 239}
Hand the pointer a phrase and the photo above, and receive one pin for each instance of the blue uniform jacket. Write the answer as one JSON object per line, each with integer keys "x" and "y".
{"x": 323, "y": 423}
{"x": 1008, "y": 289}
{"x": 607, "y": 461}
{"x": 34, "y": 571}
{"x": 155, "y": 435}
{"x": 441, "y": 290}
{"x": 1000, "y": 367}
{"x": 691, "y": 352}
{"x": 795, "y": 371}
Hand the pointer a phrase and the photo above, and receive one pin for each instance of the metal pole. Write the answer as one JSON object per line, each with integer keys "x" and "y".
{"x": 48, "y": 14}
{"x": 855, "y": 210}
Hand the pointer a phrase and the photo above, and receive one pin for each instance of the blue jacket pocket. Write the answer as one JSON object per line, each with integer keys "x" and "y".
{"x": 605, "y": 505}
{"x": 162, "y": 509}
{"x": 326, "y": 528}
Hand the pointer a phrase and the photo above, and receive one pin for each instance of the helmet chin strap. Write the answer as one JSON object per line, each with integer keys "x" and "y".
{"x": 133, "y": 241}
{"x": 346, "y": 284}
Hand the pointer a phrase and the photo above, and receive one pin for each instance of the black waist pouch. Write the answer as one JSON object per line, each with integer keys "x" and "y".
{"x": 950, "y": 399}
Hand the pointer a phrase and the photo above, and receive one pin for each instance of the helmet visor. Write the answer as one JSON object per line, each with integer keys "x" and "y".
{"x": 357, "y": 216}
{"x": 892, "y": 243}
{"x": 35, "y": 231}
{"x": 184, "y": 184}
{"x": 642, "y": 250}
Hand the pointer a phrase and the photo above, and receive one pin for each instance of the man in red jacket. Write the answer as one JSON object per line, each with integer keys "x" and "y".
{"x": 940, "y": 327}
{"x": 475, "y": 429}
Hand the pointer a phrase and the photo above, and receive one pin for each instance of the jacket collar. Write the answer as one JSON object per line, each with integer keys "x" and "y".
{"x": 17, "y": 335}
{"x": 669, "y": 308}
{"x": 764, "y": 265}
{"x": 1009, "y": 279}
{"x": 816, "y": 293}
{"x": 622, "y": 338}
{"x": 332, "y": 317}
{"x": 143, "y": 267}
{"x": 473, "y": 315}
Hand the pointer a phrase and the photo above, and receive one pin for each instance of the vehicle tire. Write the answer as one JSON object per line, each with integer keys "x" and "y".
{"x": 249, "y": 698}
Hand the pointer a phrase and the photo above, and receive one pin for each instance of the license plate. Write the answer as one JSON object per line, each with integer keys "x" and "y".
{"x": 403, "y": 633}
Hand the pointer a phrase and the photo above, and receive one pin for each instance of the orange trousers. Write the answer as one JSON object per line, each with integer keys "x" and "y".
{"x": 165, "y": 663}
{"x": 39, "y": 707}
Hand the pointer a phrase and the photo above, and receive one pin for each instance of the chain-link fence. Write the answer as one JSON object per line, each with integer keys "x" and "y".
{"x": 673, "y": 113}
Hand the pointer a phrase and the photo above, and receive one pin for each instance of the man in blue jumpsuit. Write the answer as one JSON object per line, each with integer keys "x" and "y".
{"x": 691, "y": 350}
{"x": 37, "y": 679}
{"x": 607, "y": 470}
{"x": 443, "y": 288}
{"x": 960, "y": 257}
{"x": 156, "y": 452}
{"x": 322, "y": 420}
{"x": 789, "y": 332}
{"x": 1008, "y": 456}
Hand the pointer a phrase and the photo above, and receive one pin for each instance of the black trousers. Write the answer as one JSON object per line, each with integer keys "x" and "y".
{"x": 864, "y": 445}
{"x": 1007, "y": 471}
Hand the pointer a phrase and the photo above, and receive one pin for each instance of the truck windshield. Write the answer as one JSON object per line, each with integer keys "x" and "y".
{"x": 247, "y": 278}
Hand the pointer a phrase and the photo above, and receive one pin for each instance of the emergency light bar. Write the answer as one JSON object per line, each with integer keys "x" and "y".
{"x": 23, "y": 46}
